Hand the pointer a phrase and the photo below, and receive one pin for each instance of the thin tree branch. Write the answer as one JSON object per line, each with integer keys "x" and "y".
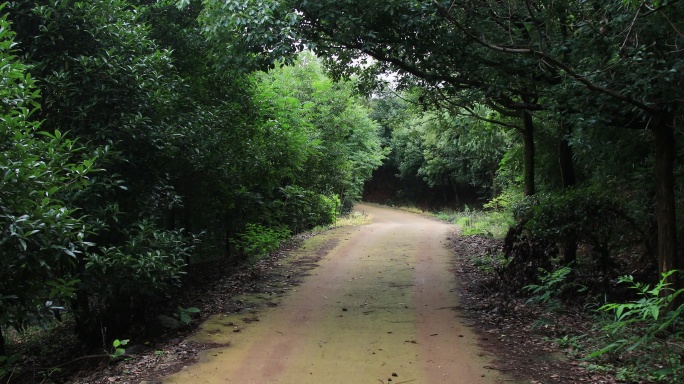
{"x": 549, "y": 60}
{"x": 474, "y": 114}
{"x": 672, "y": 24}
{"x": 502, "y": 110}
{"x": 629, "y": 30}
{"x": 536, "y": 22}
{"x": 381, "y": 56}
{"x": 657, "y": 9}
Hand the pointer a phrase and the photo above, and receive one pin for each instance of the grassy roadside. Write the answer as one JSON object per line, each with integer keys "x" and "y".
{"x": 635, "y": 337}
{"x": 489, "y": 223}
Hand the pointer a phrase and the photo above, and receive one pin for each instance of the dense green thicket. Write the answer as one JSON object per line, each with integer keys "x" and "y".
{"x": 134, "y": 144}
{"x": 42, "y": 233}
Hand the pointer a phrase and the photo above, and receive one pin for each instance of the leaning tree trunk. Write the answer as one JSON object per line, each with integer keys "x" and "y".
{"x": 528, "y": 137}
{"x": 663, "y": 134}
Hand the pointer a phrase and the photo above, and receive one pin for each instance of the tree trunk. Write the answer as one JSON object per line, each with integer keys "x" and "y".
{"x": 230, "y": 235}
{"x": 3, "y": 352}
{"x": 567, "y": 170}
{"x": 84, "y": 319}
{"x": 454, "y": 187}
{"x": 528, "y": 137}
{"x": 187, "y": 213}
{"x": 663, "y": 134}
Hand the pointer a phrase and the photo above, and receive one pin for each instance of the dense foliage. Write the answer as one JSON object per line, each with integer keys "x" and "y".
{"x": 139, "y": 135}
{"x": 579, "y": 103}
{"x": 560, "y": 74}
{"x": 42, "y": 234}
{"x": 133, "y": 146}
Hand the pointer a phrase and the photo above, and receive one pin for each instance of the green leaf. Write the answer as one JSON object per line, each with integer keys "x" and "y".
{"x": 185, "y": 318}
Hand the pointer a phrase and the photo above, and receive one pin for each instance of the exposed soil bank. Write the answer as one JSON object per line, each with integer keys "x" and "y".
{"x": 380, "y": 307}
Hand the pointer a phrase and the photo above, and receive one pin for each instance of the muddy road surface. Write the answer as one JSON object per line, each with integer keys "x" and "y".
{"x": 381, "y": 307}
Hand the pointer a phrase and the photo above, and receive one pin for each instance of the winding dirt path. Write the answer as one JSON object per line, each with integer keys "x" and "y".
{"x": 380, "y": 308}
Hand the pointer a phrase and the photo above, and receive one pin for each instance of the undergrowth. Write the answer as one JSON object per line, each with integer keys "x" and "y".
{"x": 645, "y": 334}
{"x": 489, "y": 263}
{"x": 352, "y": 219}
{"x": 490, "y": 223}
{"x": 641, "y": 340}
{"x": 638, "y": 341}
{"x": 257, "y": 240}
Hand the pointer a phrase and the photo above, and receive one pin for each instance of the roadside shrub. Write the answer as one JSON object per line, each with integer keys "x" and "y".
{"x": 152, "y": 259}
{"x": 128, "y": 284}
{"x": 588, "y": 228}
{"x": 257, "y": 241}
{"x": 301, "y": 209}
{"x": 491, "y": 224}
{"x": 583, "y": 214}
{"x": 489, "y": 263}
{"x": 505, "y": 201}
{"x": 551, "y": 287}
{"x": 354, "y": 218}
{"x": 647, "y": 332}
{"x": 41, "y": 234}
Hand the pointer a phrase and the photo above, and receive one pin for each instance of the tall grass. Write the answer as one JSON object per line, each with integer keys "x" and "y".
{"x": 476, "y": 222}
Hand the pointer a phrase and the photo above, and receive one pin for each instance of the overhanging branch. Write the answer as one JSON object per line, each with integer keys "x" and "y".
{"x": 550, "y": 60}
{"x": 471, "y": 113}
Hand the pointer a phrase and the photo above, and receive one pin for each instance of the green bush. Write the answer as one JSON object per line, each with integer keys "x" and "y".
{"x": 504, "y": 201}
{"x": 104, "y": 80}
{"x": 587, "y": 213}
{"x": 302, "y": 209}
{"x": 129, "y": 283}
{"x": 551, "y": 287}
{"x": 150, "y": 262}
{"x": 647, "y": 332}
{"x": 42, "y": 235}
{"x": 587, "y": 216}
{"x": 492, "y": 224}
{"x": 490, "y": 263}
{"x": 257, "y": 241}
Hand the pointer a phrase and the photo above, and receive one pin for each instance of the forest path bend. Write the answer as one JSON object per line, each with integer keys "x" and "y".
{"x": 380, "y": 307}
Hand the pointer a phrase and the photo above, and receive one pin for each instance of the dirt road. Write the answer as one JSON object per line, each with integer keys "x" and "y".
{"x": 380, "y": 308}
